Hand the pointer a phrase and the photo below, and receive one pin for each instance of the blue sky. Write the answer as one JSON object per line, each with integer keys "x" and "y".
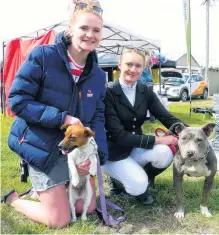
{"x": 158, "y": 19}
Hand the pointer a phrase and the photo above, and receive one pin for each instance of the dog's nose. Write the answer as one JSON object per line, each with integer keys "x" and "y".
{"x": 60, "y": 146}
{"x": 190, "y": 153}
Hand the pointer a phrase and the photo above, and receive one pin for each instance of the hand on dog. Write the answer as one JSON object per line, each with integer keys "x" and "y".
{"x": 72, "y": 120}
{"x": 168, "y": 140}
{"x": 84, "y": 167}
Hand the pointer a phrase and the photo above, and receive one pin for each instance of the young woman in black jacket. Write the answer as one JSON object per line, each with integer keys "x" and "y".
{"x": 134, "y": 158}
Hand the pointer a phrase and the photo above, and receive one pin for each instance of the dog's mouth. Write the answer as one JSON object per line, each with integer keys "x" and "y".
{"x": 67, "y": 151}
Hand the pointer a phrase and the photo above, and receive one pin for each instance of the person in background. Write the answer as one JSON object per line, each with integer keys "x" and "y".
{"x": 135, "y": 159}
{"x": 57, "y": 84}
{"x": 147, "y": 78}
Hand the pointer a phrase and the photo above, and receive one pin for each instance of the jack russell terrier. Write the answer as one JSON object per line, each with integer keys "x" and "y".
{"x": 80, "y": 146}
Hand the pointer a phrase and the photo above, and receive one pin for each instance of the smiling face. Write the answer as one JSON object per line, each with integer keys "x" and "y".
{"x": 131, "y": 66}
{"x": 86, "y": 29}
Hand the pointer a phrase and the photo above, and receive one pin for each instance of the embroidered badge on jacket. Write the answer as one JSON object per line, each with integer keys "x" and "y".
{"x": 89, "y": 93}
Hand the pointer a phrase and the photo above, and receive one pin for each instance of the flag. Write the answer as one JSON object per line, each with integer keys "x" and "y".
{"x": 187, "y": 20}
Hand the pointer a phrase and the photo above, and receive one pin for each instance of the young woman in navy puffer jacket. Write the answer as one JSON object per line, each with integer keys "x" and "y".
{"x": 58, "y": 84}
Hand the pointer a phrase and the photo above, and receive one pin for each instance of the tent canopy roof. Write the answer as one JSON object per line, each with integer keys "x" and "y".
{"x": 108, "y": 59}
{"x": 114, "y": 39}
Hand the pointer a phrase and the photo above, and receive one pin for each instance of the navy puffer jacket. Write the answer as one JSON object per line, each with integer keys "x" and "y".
{"x": 43, "y": 93}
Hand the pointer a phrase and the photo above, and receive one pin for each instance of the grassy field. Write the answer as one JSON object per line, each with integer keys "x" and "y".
{"x": 155, "y": 219}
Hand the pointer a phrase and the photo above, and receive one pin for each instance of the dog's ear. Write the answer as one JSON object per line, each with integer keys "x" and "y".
{"x": 88, "y": 132}
{"x": 176, "y": 128}
{"x": 65, "y": 126}
{"x": 208, "y": 129}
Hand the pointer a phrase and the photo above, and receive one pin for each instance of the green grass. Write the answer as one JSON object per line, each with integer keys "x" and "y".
{"x": 155, "y": 219}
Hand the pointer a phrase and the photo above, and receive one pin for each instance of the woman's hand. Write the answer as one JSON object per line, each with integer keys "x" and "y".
{"x": 72, "y": 120}
{"x": 168, "y": 140}
{"x": 84, "y": 167}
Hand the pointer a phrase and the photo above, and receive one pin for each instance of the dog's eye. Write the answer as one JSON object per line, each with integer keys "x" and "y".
{"x": 184, "y": 138}
{"x": 72, "y": 138}
{"x": 199, "y": 140}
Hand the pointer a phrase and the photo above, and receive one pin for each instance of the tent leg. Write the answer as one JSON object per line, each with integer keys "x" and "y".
{"x": 2, "y": 81}
{"x": 160, "y": 76}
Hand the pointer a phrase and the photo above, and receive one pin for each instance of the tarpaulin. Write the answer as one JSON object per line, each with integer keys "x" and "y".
{"x": 16, "y": 52}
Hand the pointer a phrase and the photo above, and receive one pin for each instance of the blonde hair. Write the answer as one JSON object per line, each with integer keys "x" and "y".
{"x": 74, "y": 11}
{"x": 88, "y": 9}
{"x": 133, "y": 50}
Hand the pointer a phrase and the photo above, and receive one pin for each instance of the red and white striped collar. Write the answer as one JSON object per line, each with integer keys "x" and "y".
{"x": 70, "y": 59}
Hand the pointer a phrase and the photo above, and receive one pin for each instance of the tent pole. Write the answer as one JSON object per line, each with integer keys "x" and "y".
{"x": 2, "y": 80}
{"x": 2, "y": 107}
{"x": 159, "y": 74}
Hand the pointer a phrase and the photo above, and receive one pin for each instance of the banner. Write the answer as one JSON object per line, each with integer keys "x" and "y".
{"x": 16, "y": 52}
{"x": 187, "y": 20}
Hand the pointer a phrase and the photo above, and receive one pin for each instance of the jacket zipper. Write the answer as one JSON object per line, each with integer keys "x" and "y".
{"x": 23, "y": 137}
{"x": 80, "y": 104}
{"x": 73, "y": 85}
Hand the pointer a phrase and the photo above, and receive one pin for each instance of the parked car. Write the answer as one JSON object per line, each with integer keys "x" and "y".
{"x": 177, "y": 86}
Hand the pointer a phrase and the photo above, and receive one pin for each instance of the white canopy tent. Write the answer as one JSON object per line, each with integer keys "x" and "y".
{"x": 113, "y": 41}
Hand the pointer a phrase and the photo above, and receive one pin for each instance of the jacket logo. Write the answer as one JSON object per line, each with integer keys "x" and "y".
{"x": 89, "y": 93}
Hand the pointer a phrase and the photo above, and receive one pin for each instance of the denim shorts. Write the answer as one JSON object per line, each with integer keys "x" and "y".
{"x": 58, "y": 175}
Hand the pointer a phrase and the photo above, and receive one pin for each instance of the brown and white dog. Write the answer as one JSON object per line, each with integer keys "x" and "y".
{"x": 80, "y": 146}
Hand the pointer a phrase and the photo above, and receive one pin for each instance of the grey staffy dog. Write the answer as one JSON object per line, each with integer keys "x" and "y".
{"x": 194, "y": 157}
